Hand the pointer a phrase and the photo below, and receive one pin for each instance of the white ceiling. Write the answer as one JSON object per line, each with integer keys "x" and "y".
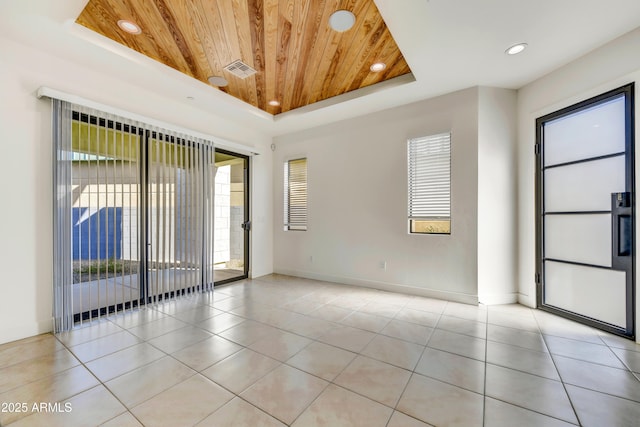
{"x": 449, "y": 45}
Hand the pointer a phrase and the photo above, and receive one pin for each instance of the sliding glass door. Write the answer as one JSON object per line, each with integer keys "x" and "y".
{"x": 134, "y": 214}
{"x": 105, "y": 208}
{"x": 232, "y": 223}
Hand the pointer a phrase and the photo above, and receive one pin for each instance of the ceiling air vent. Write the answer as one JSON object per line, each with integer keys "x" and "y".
{"x": 240, "y": 69}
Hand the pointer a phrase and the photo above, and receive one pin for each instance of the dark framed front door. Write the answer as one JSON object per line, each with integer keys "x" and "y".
{"x": 586, "y": 212}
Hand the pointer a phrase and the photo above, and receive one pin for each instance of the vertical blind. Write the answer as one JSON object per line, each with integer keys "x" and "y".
{"x": 133, "y": 213}
{"x": 62, "y": 219}
{"x": 295, "y": 194}
{"x": 429, "y": 168}
{"x": 179, "y": 206}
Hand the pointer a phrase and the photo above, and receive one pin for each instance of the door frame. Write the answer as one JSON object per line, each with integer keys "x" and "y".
{"x": 247, "y": 216}
{"x": 628, "y": 90}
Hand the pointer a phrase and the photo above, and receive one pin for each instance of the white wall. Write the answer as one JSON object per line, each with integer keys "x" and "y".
{"x": 357, "y": 183}
{"x": 497, "y": 242}
{"x": 606, "y": 68}
{"x": 261, "y": 214}
{"x": 25, "y": 146}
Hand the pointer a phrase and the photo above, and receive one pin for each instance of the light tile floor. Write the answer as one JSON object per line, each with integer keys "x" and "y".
{"x": 280, "y": 351}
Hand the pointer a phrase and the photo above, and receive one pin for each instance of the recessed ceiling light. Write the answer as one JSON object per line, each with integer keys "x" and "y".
{"x": 377, "y": 67}
{"x": 218, "y": 81}
{"x": 274, "y": 103}
{"x": 516, "y": 49}
{"x": 342, "y": 20}
{"x": 129, "y": 26}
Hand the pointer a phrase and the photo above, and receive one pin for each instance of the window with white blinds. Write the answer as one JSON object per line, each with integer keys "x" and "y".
{"x": 429, "y": 177}
{"x": 295, "y": 194}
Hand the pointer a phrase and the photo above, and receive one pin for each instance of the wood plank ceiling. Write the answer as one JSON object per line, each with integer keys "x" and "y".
{"x": 299, "y": 59}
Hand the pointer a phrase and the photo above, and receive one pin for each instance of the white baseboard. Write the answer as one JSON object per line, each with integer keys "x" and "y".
{"x": 20, "y": 331}
{"x": 527, "y": 300}
{"x": 384, "y": 286}
{"x": 496, "y": 299}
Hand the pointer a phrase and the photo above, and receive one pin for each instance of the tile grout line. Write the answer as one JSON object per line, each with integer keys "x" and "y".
{"x": 143, "y": 341}
{"x": 528, "y": 373}
{"x": 331, "y": 382}
{"x": 626, "y": 365}
{"x": 321, "y": 292}
{"x": 349, "y": 363}
{"x": 564, "y": 386}
{"x": 49, "y": 376}
{"x": 555, "y": 367}
{"x": 313, "y": 340}
{"x": 284, "y": 363}
{"x": 413, "y": 371}
{"x": 486, "y": 326}
{"x": 100, "y": 383}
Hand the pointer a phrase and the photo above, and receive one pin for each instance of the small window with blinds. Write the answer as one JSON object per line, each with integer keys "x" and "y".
{"x": 429, "y": 169}
{"x": 295, "y": 195}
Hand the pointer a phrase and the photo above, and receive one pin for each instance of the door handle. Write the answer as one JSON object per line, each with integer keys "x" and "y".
{"x": 624, "y": 235}
{"x": 621, "y": 230}
{"x": 246, "y": 225}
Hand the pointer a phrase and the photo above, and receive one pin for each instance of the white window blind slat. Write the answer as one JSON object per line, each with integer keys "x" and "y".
{"x": 429, "y": 177}
{"x": 295, "y": 194}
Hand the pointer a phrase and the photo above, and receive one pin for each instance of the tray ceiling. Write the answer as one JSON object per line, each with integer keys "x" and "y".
{"x": 299, "y": 59}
